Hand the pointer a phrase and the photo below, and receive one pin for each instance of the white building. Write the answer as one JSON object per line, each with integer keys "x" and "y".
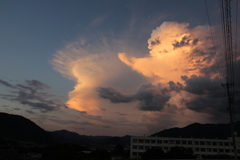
{"x": 200, "y": 147}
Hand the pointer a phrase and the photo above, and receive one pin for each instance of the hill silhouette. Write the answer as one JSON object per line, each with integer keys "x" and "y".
{"x": 20, "y": 128}
{"x": 64, "y": 136}
{"x": 197, "y": 130}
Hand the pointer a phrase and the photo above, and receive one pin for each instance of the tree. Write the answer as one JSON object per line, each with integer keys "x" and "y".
{"x": 100, "y": 154}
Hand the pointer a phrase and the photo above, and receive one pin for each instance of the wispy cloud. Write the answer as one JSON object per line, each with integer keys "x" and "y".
{"x": 97, "y": 21}
{"x": 31, "y": 94}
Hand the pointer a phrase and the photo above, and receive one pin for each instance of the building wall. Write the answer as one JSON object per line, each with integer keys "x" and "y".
{"x": 199, "y": 146}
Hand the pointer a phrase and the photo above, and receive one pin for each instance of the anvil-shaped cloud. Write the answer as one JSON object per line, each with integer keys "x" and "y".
{"x": 181, "y": 71}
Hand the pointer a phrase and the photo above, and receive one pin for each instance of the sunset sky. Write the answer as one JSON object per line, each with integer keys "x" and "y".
{"x": 114, "y": 67}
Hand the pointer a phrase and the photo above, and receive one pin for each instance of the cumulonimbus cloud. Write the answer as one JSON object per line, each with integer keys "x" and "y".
{"x": 175, "y": 50}
{"x": 187, "y": 57}
{"x": 181, "y": 69}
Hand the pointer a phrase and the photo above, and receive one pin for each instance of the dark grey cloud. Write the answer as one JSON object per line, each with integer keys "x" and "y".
{"x": 30, "y": 112}
{"x": 6, "y": 84}
{"x": 113, "y": 95}
{"x": 121, "y": 114}
{"x": 155, "y": 42}
{"x": 37, "y": 84}
{"x": 175, "y": 86}
{"x": 203, "y": 85}
{"x": 82, "y": 112}
{"x": 5, "y": 106}
{"x": 106, "y": 127}
{"x": 86, "y": 115}
{"x": 70, "y": 122}
{"x": 210, "y": 96}
{"x": 86, "y": 123}
{"x": 209, "y": 105}
{"x": 150, "y": 97}
{"x": 16, "y": 109}
{"x": 185, "y": 41}
{"x": 43, "y": 107}
{"x": 28, "y": 94}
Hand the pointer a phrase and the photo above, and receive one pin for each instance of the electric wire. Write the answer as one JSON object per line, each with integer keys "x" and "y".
{"x": 223, "y": 29}
{"x": 236, "y": 44}
{"x": 214, "y": 48}
{"x": 236, "y": 34}
{"x": 227, "y": 39}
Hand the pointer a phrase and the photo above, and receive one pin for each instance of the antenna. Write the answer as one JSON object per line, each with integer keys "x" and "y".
{"x": 229, "y": 57}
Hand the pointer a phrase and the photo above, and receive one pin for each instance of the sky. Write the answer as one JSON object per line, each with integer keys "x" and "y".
{"x": 115, "y": 67}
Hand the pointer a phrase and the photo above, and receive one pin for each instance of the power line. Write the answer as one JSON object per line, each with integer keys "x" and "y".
{"x": 236, "y": 35}
{"x": 213, "y": 42}
{"x": 227, "y": 34}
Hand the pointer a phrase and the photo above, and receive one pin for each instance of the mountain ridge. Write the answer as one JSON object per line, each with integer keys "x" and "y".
{"x": 64, "y": 136}
{"x": 20, "y": 128}
{"x": 197, "y": 130}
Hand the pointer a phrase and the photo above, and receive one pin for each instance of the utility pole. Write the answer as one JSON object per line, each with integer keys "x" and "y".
{"x": 227, "y": 33}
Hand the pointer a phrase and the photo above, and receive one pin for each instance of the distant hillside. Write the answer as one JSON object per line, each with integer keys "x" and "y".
{"x": 65, "y": 136}
{"x": 196, "y": 130}
{"x": 20, "y": 128}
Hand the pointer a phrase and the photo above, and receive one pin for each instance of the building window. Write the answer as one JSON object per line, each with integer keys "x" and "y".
{"x": 140, "y": 147}
{"x": 183, "y": 142}
{"x": 171, "y": 141}
{"x": 159, "y": 141}
{"x": 209, "y": 150}
{"x": 177, "y": 142}
{"x": 134, "y": 147}
{"x": 226, "y": 144}
{"x": 208, "y": 143}
{"x": 227, "y": 150}
{"x": 221, "y": 150}
{"x": 202, "y": 149}
{"x": 220, "y": 143}
{"x": 202, "y": 143}
{"x": 140, "y": 140}
{"x": 214, "y": 143}
{"x": 215, "y": 150}
{"x": 190, "y": 142}
{"x": 165, "y": 141}
{"x": 197, "y": 142}
{"x": 153, "y": 141}
{"x": 146, "y": 140}
{"x": 135, "y": 140}
{"x": 196, "y": 149}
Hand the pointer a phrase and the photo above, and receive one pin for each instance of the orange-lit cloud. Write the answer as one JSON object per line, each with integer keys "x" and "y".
{"x": 89, "y": 68}
{"x": 180, "y": 69}
{"x": 175, "y": 50}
